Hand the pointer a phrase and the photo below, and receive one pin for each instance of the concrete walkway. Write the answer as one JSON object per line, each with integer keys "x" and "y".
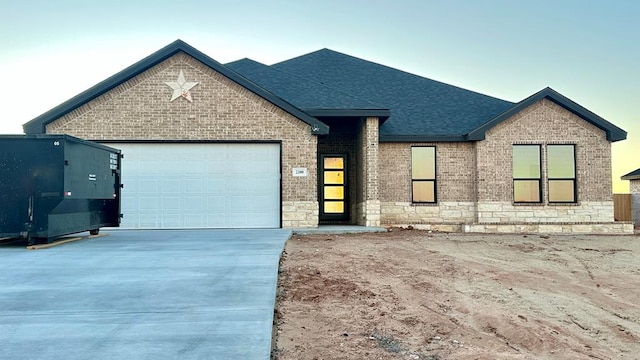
{"x": 189, "y": 294}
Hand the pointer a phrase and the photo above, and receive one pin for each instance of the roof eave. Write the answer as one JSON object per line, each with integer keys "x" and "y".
{"x": 382, "y": 114}
{"x": 423, "y": 138}
{"x": 634, "y": 175}
{"x": 38, "y": 124}
{"x": 613, "y": 132}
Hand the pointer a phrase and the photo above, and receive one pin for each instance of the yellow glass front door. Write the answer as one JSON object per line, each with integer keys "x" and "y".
{"x": 332, "y": 188}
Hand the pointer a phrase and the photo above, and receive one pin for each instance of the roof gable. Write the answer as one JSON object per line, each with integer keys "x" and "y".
{"x": 421, "y": 109}
{"x": 613, "y": 132}
{"x": 634, "y": 175}
{"x": 312, "y": 97}
{"x": 38, "y": 125}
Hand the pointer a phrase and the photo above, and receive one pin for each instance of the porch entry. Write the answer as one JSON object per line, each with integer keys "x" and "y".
{"x": 333, "y": 187}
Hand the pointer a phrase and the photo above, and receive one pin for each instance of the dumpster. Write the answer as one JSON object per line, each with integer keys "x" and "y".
{"x": 54, "y": 185}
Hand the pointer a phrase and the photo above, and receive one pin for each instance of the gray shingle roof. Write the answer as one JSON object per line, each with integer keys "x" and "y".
{"x": 419, "y": 106}
{"x": 329, "y": 83}
{"x": 303, "y": 93}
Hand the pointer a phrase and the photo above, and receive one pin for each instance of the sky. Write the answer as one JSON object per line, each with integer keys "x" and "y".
{"x": 588, "y": 50}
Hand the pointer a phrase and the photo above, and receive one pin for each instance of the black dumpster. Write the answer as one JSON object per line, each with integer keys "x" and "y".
{"x": 53, "y": 185}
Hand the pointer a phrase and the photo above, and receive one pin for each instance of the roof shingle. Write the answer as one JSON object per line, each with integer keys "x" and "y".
{"x": 419, "y": 106}
{"x": 299, "y": 91}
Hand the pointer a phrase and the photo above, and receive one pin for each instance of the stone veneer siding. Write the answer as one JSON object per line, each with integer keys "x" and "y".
{"x": 635, "y": 201}
{"x": 544, "y": 123}
{"x": 455, "y": 187}
{"x": 139, "y": 109}
{"x": 610, "y": 228}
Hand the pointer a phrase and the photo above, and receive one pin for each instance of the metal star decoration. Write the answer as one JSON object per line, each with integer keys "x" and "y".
{"x": 181, "y": 88}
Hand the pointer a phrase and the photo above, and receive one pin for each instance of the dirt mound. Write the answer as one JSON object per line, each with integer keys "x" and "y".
{"x": 417, "y": 295}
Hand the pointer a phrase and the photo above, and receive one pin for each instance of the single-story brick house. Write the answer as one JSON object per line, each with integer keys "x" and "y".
{"x": 634, "y": 187}
{"x": 327, "y": 138}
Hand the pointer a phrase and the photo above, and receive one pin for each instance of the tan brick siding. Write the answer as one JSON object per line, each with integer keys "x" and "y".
{"x": 474, "y": 180}
{"x": 544, "y": 123}
{"x": 139, "y": 109}
{"x": 487, "y": 163}
{"x": 455, "y": 169}
{"x": 455, "y": 163}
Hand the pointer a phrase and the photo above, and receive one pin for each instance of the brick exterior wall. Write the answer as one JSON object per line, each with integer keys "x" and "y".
{"x": 474, "y": 180}
{"x": 455, "y": 174}
{"x": 635, "y": 201}
{"x": 139, "y": 109}
{"x": 368, "y": 200}
{"x": 475, "y": 185}
{"x": 544, "y": 123}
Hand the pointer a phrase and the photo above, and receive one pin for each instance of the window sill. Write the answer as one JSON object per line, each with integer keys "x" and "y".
{"x": 424, "y": 204}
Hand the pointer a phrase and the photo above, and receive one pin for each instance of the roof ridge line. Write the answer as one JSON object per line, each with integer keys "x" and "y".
{"x": 394, "y": 69}
{"x": 327, "y": 87}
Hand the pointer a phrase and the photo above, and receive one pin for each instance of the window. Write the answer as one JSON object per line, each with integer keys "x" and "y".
{"x": 423, "y": 174}
{"x": 526, "y": 174}
{"x": 561, "y": 173}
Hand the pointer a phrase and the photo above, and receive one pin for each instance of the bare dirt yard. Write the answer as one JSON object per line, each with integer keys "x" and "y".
{"x": 411, "y": 294}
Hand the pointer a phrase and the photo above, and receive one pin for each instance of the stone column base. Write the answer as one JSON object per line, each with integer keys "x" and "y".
{"x": 299, "y": 214}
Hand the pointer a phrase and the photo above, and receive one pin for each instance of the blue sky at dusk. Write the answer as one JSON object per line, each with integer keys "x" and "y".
{"x": 587, "y": 50}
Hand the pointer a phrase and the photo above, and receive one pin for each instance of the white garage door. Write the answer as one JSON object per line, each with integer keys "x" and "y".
{"x": 189, "y": 185}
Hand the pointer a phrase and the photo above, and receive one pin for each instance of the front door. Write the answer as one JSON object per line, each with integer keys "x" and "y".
{"x": 333, "y": 187}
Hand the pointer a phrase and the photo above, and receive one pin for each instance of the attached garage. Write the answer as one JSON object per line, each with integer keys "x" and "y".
{"x": 203, "y": 146}
{"x": 200, "y": 185}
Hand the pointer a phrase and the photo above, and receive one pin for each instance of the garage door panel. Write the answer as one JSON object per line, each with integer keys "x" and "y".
{"x": 147, "y": 203}
{"x": 194, "y": 186}
{"x": 200, "y": 185}
{"x": 145, "y": 220}
{"x": 216, "y": 186}
{"x": 260, "y": 219}
{"x": 195, "y": 221}
{"x": 172, "y": 204}
{"x": 237, "y": 204}
{"x": 145, "y": 185}
{"x": 172, "y": 221}
{"x": 216, "y": 221}
{"x": 216, "y": 204}
{"x": 240, "y": 221}
{"x": 171, "y": 186}
{"x": 196, "y": 204}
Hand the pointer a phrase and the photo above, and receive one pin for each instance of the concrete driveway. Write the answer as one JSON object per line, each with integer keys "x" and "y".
{"x": 187, "y": 294}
